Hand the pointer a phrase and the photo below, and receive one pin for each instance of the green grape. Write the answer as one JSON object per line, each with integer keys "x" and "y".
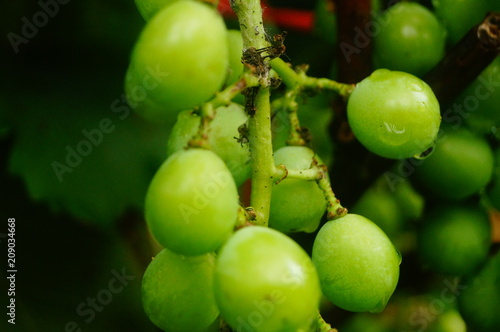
{"x": 235, "y": 42}
{"x": 479, "y": 103}
{"x": 479, "y": 300}
{"x": 394, "y": 114}
{"x": 448, "y": 321}
{"x": 177, "y": 292}
{"x": 412, "y": 40}
{"x": 410, "y": 202}
{"x": 493, "y": 190}
{"x": 179, "y": 61}
{"x": 264, "y": 281}
{"x": 365, "y": 322}
{"x": 192, "y": 202}
{"x": 222, "y": 138}
{"x": 148, "y": 8}
{"x": 459, "y": 16}
{"x": 358, "y": 266}
{"x": 325, "y": 19}
{"x": 454, "y": 239}
{"x": 380, "y": 206}
{"x": 315, "y": 114}
{"x": 296, "y": 205}
{"x": 460, "y": 166}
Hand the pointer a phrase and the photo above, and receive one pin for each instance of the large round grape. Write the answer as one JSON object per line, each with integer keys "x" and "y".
{"x": 454, "y": 239}
{"x": 412, "y": 40}
{"x": 296, "y": 205}
{"x": 478, "y": 297}
{"x": 394, "y": 114}
{"x": 264, "y": 281}
{"x": 222, "y": 138}
{"x": 461, "y": 165}
{"x": 179, "y": 61}
{"x": 357, "y": 264}
{"x": 192, "y": 202}
{"x": 177, "y": 292}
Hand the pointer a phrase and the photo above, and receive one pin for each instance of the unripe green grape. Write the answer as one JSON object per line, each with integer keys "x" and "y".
{"x": 365, "y": 322}
{"x": 236, "y": 67}
{"x": 222, "y": 138}
{"x": 148, "y": 8}
{"x": 177, "y": 292}
{"x": 325, "y": 19}
{"x": 448, "y": 321}
{"x": 296, "y": 205}
{"x": 493, "y": 189}
{"x": 394, "y": 114}
{"x": 192, "y": 202}
{"x": 179, "y": 61}
{"x": 460, "y": 165}
{"x": 380, "y": 206}
{"x": 358, "y": 266}
{"x": 264, "y": 281}
{"x": 459, "y": 16}
{"x": 479, "y": 300}
{"x": 480, "y": 101}
{"x": 412, "y": 40}
{"x": 454, "y": 239}
{"x": 410, "y": 201}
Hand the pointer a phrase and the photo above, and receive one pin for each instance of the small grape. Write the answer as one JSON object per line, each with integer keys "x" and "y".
{"x": 481, "y": 99}
{"x": 493, "y": 189}
{"x": 412, "y": 40}
{"x": 478, "y": 300}
{"x": 192, "y": 202}
{"x": 454, "y": 239}
{"x": 459, "y": 16}
{"x": 177, "y": 292}
{"x": 264, "y": 281}
{"x": 296, "y": 205}
{"x": 357, "y": 264}
{"x": 380, "y": 206}
{"x": 223, "y": 134}
{"x": 394, "y": 114}
{"x": 460, "y": 166}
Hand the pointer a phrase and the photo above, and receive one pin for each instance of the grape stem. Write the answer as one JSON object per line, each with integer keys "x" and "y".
{"x": 319, "y": 173}
{"x": 259, "y": 125}
{"x": 208, "y": 109}
{"x": 299, "y": 81}
{"x": 324, "y": 326}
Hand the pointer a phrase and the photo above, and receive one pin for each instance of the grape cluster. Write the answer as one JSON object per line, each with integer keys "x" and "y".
{"x": 220, "y": 265}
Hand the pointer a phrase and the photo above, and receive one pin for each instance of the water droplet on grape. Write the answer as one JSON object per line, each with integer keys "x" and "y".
{"x": 393, "y": 129}
{"x": 425, "y": 154}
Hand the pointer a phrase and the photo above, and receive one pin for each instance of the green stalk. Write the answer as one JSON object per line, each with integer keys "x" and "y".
{"x": 249, "y": 14}
{"x": 300, "y": 81}
{"x": 261, "y": 148}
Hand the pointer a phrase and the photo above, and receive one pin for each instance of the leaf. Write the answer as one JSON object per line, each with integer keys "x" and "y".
{"x": 92, "y": 158}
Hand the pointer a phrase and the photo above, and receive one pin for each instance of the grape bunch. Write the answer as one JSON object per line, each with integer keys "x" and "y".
{"x": 227, "y": 200}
